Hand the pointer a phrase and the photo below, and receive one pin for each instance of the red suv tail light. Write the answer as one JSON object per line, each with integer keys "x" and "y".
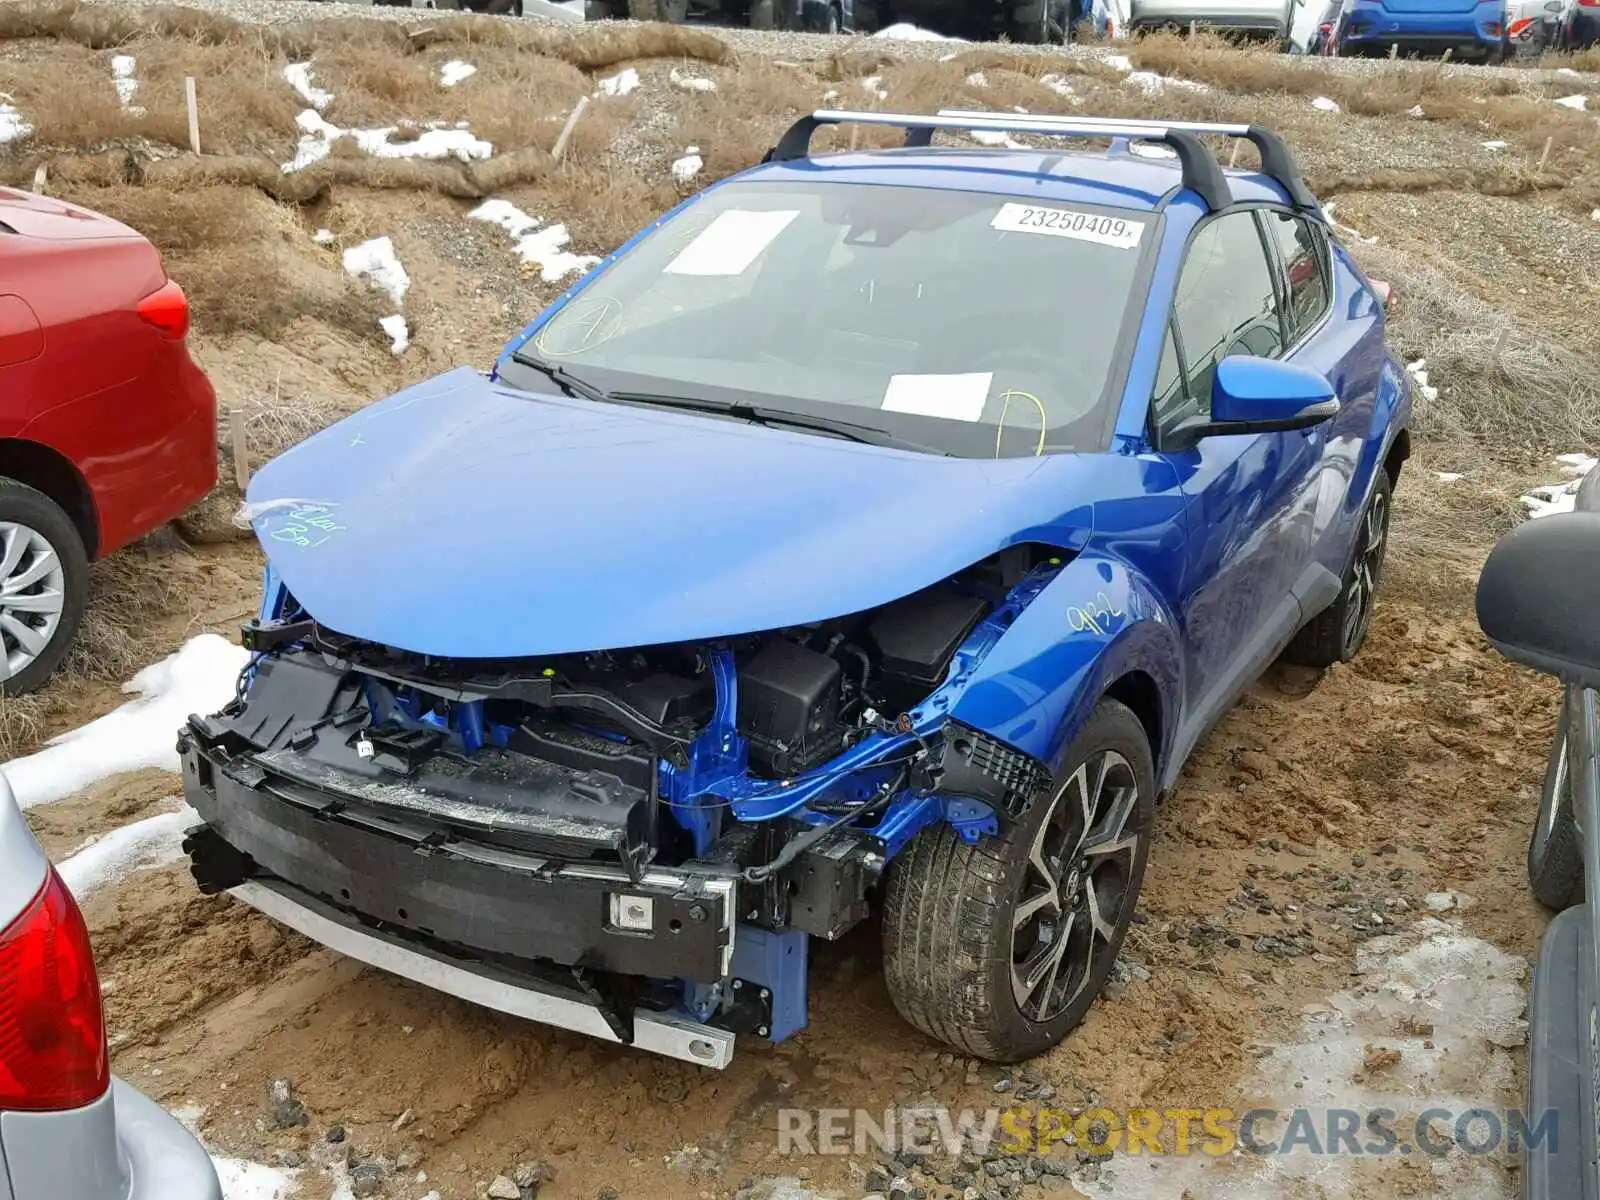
{"x": 167, "y": 309}
{"x": 52, "y": 1031}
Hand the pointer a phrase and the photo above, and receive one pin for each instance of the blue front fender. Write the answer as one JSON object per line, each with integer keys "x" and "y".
{"x": 1093, "y": 624}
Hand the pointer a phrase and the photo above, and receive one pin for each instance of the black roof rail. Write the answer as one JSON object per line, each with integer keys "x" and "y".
{"x": 1277, "y": 163}
{"x": 1201, "y": 171}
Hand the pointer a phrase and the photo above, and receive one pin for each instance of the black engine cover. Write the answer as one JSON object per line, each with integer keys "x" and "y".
{"x": 789, "y": 700}
{"x": 916, "y": 638}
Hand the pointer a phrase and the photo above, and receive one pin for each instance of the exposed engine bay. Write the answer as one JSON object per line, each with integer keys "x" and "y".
{"x": 610, "y": 819}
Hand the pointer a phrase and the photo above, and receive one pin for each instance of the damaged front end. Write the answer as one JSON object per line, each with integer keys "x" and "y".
{"x": 636, "y": 844}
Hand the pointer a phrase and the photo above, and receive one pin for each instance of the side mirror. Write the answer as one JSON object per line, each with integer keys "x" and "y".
{"x": 1539, "y": 596}
{"x": 1259, "y": 395}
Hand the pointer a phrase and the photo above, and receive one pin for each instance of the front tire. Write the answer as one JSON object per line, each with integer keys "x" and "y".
{"x": 44, "y": 576}
{"x": 999, "y": 949}
{"x": 1338, "y": 632}
{"x": 1555, "y": 852}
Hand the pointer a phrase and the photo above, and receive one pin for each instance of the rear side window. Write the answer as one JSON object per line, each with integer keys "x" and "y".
{"x": 1227, "y": 301}
{"x": 1303, "y": 251}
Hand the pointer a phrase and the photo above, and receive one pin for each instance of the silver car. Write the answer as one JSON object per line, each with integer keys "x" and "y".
{"x": 1272, "y": 19}
{"x": 68, "y": 1129}
{"x": 1538, "y": 600}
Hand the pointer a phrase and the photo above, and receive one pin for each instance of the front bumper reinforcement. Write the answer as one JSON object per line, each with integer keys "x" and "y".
{"x": 479, "y": 983}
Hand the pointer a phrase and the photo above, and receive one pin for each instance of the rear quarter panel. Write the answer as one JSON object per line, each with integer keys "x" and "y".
{"x": 22, "y": 862}
{"x": 126, "y": 405}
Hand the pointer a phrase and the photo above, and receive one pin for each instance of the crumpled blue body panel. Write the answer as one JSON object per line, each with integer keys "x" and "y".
{"x": 464, "y": 518}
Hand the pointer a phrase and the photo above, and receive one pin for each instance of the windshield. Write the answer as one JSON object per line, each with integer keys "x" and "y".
{"x": 967, "y": 323}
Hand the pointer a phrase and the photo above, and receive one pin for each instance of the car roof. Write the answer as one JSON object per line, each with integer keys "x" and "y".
{"x": 1119, "y": 180}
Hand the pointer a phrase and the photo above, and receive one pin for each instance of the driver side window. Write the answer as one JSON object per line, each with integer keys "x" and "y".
{"x": 1227, "y": 302}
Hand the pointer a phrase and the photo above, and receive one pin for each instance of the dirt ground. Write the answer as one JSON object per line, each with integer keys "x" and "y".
{"x": 1322, "y": 812}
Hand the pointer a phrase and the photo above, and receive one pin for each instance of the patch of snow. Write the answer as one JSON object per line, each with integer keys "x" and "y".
{"x": 240, "y": 1178}
{"x": 199, "y": 678}
{"x": 1565, "y": 71}
{"x": 454, "y": 71}
{"x": 12, "y": 126}
{"x": 1495, "y": 145}
{"x": 691, "y": 83}
{"x": 1419, "y": 378}
{"x": 1560, "y": 497}
{"x": 1118, "y": 62}
{"x": 537, "y": 244}
{"x": 904, "y": 31}
{"x": 1327, "y": 211}
{"x": 1323, "y": 104}
{"x": 1415, "y": 111}
{"x": 1151, "y": 150}
{"x": 686, "y": 168}
{"x": 1057, "y": 84}
{"x": 1593, "y": 216}
{"x": 1151, "y": 83}
{"x": 376, "y": 262}
{"x": 324, "y": 237}
{"x": 126, "y": 83}
{"x": 620, "y": 84}
{"x": 832, "y": 94}
{"x": 299, "y": 78}
{"x": 1449, "y": 1009}
{"x": 1448, "y": 476}
{"x": 399, "y": 334}
{"x": 993, "y": 137}
{"x": 1579, "y": 103}
{"x": 436, "y": 140}
{"x": 871, "y": 85}
{"x": 977, "y": 79}
{"x": 152, "y": 842}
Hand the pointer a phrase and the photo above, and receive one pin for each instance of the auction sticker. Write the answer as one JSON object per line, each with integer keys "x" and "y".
{"x": 1069, "y": 223}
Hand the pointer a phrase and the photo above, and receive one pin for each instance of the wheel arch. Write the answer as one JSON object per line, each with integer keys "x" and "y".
{"x": 1399, "y": 451}
{"x": 52, "y": 473}
{"x": 1139, "y": 692}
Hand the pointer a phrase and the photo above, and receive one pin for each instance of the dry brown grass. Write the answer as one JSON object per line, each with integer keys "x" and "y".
{"x": 230, "y": 248}
{"x": 128, "y": 594}
{"x": 104, "y": 26}
{"x": 603, "y": 209}
{"x": 1508, "y": 391}
{"x": 1490, "y": 105}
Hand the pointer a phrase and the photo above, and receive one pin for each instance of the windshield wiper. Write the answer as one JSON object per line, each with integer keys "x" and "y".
{"x": 572, "y": 385}
{"x": 777, "y": 417}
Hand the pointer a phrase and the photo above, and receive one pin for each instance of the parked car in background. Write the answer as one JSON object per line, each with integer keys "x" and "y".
{"x": 68, "y": 1129}
{"x": 107, "y": 427}
{"x": 1272, "y": 19}
{"x": 1539, "y": 604}
{"x": 1580, "y": 27}
{"x": 1467, "y": 28}
{"x": 1534, "y": 26}
{"x": 1324, "y": 38}
{"x": 815, "y": 16}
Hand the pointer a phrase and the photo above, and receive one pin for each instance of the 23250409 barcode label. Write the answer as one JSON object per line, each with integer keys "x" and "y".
{"x": 1069, "y": 223}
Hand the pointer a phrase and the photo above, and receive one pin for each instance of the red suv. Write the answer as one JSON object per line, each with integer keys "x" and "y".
{"x": 107, "y": 427}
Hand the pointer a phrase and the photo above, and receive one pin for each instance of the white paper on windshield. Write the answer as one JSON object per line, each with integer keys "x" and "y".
{"x": 732, "y": 241}
{"x": 953, "y": 397}
{"x": 1120, "y": 232}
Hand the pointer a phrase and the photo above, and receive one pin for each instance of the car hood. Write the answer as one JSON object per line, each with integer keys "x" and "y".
{"x": 465, "y": 518}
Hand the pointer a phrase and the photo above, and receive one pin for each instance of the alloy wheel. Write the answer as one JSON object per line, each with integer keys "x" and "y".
{"x": 32, "y": 593}
{"x": 1076, "y": 894}
{"x": 1361, "y": 592}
